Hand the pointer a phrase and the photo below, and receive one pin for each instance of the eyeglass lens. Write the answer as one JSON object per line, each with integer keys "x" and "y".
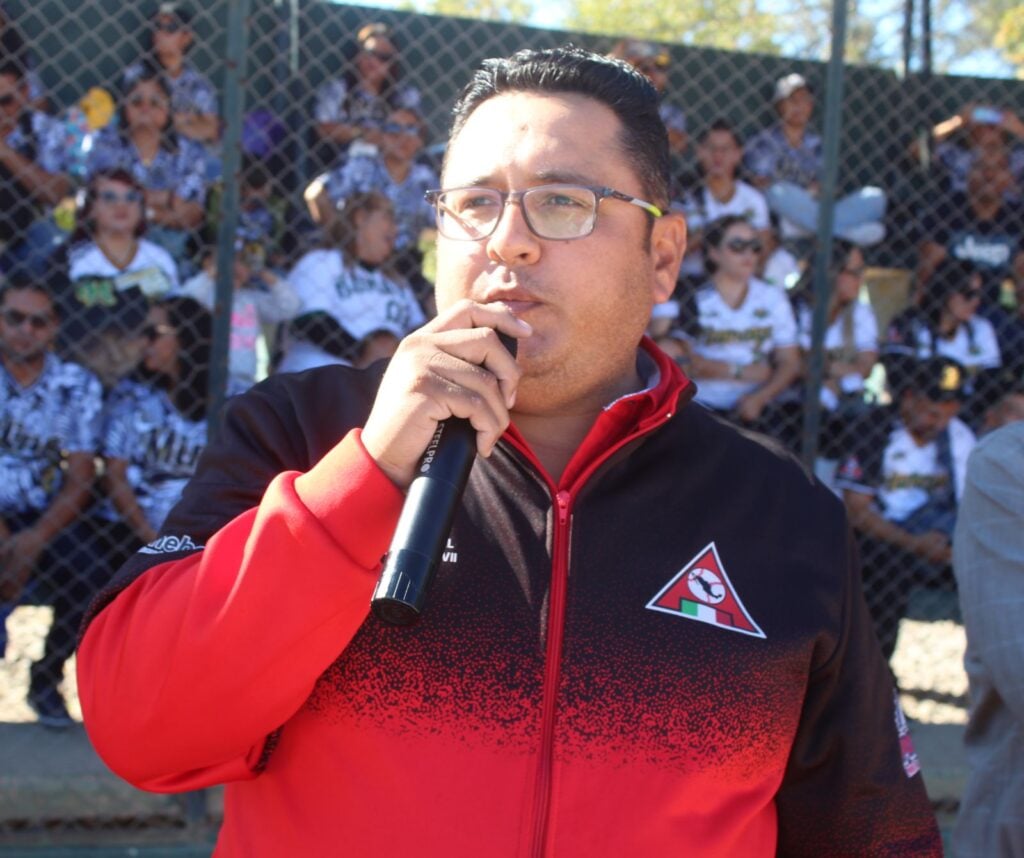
{"x": 551, "y": 211}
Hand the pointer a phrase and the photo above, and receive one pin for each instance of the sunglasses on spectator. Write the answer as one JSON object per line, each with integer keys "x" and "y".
{"x": 154, "y": 102}
{"x": 400, "y": 128}
{"x": 383, "y": 56}
{"x": 168, "y": 26}
{"x": 8, "y": 99}
{"x": 742, "y": 245}
{"x": 153, "y": 332}
{"x": 113, "y": 197}
{"x": 16, "y": 318}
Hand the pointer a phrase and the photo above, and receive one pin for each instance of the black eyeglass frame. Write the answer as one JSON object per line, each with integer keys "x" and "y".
{"x": 506, "y": 197}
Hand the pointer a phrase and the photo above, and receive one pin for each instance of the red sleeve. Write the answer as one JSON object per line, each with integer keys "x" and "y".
{"x": 188, "y": 670}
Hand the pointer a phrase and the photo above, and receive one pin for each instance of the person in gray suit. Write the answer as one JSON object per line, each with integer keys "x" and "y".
{"x": 988, "y": 560}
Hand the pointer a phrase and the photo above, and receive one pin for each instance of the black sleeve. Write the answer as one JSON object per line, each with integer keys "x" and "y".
{"x": 322, "y": 330}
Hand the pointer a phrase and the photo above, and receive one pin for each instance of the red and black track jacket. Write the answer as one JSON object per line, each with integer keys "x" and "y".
{"x": 568, "y": 691}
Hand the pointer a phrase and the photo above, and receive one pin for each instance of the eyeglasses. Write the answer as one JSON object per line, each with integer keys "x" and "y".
{"x": 742, "y": 245}
{"x": 154, "y": 102}
{"x": 153, "y": 332}
{"x": 400, "y": 128}
{"x": 7, "y": 99}
{"x": 168, "y": 26}
{"x": 112, "y": 197}
{"x": 37, "y": 321}
{"x": 551, "y": 211}
{"x": 382, "y": 56}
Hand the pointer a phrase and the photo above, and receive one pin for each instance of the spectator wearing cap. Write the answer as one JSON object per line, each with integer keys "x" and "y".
{"x": 355, "y": 106}
{"x": 33, "y": 175}
{"x": 394, "y": 171}
{"x": 353, "y": 305}
{"x": 901, "y": 480}
{"x": 654, "y": 62}
{"x": 261, "y": 299}
{"x": 972, "y": 131}
{"x": 193, "y": 98}
{"x": 169, "y": 166}
{"x": 785, "y": 160}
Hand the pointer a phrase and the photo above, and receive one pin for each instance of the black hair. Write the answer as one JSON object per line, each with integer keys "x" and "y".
{"x": 342, "y": 230}
{"x": 148, "y": 71}
{"x": 84, "y": 230}
{"x": 21, "y": 282}
{"x": 949, "y": 277}
{"x": 714, "y": 234}
{"x": 803, "y": 289}
{"x": 13, "y": 66}
{"x": 389, "y": 90}
{"x": 193, "y": 326}
{"x": 568, "y": 69}
{"x": 720, "y": 125}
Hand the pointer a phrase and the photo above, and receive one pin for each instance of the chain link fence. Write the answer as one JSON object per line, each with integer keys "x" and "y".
{"x": 194, "y": 197}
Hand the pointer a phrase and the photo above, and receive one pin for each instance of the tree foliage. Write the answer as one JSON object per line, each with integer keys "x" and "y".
{"x": 1010, "y": 37}
{"x": 506, "y": 11}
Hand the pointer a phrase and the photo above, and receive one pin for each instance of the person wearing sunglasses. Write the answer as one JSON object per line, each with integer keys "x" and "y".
{"x": 50, "y": 418}
{"x": 169, "y": 166}
{"x": 737, "y": 332}
{"x": 107, "y": 275}
{"x": 34, "y": 177}
{"x": 394, "y": 171}
{"x": 645, "y": 634}
{"x": 355, "y": 105}
{"x": 193, "y": 97}
{"x": 948, "y": 323}
{"x": 654, "y": 62}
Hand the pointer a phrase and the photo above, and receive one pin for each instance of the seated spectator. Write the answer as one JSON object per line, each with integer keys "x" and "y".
{"x": 850, "y": 342}
{"x": 394, "y": 171}
{"x": 261, "y": 299}
{"x": 346, "y": 293}
{"x": 971, "y": 131}
{"x": 1007, "y": 408}
{"x": 785, "y": 160}
{"x": 155, "y": 425}
{"x": 193, "y": 97}
{"x": 901, "y": 479}
{"x": 355, "y": 106}
{"x": 720, "y": 193}
{"x": 33, "y": 176}
{"x": 49, "y": 413}
{"x": 978, "y": 226}
{"x": 169, "y": 166}
{"x": 107, "y": 276}
{"x": 737, "y": 338}
{"x": 654, "y": 62}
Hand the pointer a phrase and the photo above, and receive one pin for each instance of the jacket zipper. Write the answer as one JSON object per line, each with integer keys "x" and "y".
{"x": 556, "y": 628}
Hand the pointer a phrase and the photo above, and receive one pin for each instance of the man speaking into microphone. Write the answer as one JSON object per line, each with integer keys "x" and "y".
{"x": 645, "y": 635}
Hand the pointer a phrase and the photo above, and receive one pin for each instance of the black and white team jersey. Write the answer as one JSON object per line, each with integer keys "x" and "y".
{"x": 160, "y": 445}
{"x": 57, "y": 414}
{"x": 902, "y": 476}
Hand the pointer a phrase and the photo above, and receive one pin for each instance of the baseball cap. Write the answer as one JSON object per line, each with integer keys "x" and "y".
{"x": 940, "y": 379}
{"x": 785, "y": 86}
{"x": 174, "y": 10}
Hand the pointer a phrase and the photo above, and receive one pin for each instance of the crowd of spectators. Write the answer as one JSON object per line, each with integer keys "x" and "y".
{"x": 105, "y": 327}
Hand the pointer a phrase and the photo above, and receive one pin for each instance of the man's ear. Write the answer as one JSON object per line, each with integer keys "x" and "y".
{"x": 668, "y": 244}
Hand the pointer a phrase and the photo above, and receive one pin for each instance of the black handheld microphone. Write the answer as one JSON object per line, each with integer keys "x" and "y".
{"x": 426, "y": 519}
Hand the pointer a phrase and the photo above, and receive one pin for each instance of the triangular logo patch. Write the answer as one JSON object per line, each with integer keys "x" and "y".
{"x": 702, "y": 591}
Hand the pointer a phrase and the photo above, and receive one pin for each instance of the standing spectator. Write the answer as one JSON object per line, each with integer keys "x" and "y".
{"x": 261, "y": 298}
{"x": 155, "y": 423}
{"x": 33, "y": 175}
{"x": 850, "y": 341}
{"x": 738, "y": 333}
{"x": 720, "y": 193}
{"x": 108, "y": 275}
{"x": 785, "y": 160}
{"x": 347, "y": 295}
{"x": 901, "y": 480}
{"x": 394, "y": 171}
{"x": 654, "y": 62}
{"x": 979, "y": 227}
{"x": 973, "y": 130}
{"x": 988, "y": 560}
{"x": 169, "y": 166}
{"x": 49, "y": 414}
{"x": 193, "y": 97}
{"x": 356, "y": 105}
